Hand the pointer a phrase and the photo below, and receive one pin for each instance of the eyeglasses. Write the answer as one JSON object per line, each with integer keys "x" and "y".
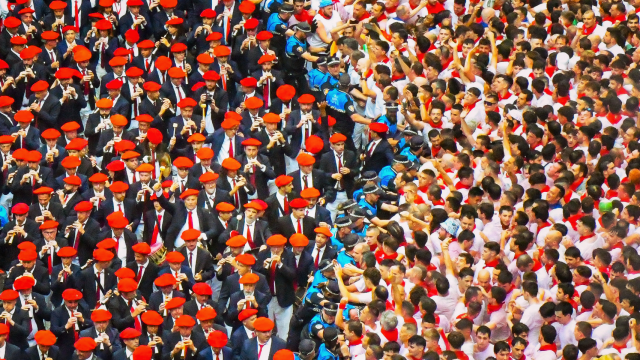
{"x": 489, "y": 103}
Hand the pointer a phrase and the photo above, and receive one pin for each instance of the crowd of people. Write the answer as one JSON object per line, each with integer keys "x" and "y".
{"x": 323, "y": 179}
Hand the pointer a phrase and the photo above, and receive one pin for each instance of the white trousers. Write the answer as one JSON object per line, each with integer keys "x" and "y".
{"x": 281, "y": 316}
{"x": 333, "y": 207}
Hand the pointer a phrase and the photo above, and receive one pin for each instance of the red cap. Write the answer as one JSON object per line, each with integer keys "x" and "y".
{"x": 142, "y": 248}
{"x": 102, "y": 255}
{"x": 263, "y": 324}
{"x": 247, "y": 313}
{"x": 202, "y": 288}
{"x": 298, "y": 203}
{"x": 174, "y": 257}
{"x": 142, "y": 352}
{"x": 247, "y": 7}
{"x": 20, "y": 209}
{"x": 85, "y": 344}
{"x": 100, "y": 315}
{"x": 40, "y": 86}
{"x": 45, "y": 338}
{"x": 49, "y": 224}
{"x": 249, "y": 82}
{"x": 221, "y": 51}
{"x": 190, "y": 234}
{"x": 189, "y": 192}
{"x": 151, "y": 317}
{"x": 252, "y": 23}
{"x": 217, "y": 339}
{"x": 27, "y": 255}
{"x": 72, "y": 295}
{"x": 283, "y": 180}
{"x": 185, "y": 321}
{"x": 264, "y": 35}
{"x": 165, "y": 280}
{"x": 231, "y": 164}
{"x": 127, "y": 285}
{"x": 286, "y": 92}
{"x": 174, "y": 303}
{"x": 73, "y": 180}
{"x": 67, "y": 251}
{"x": 305, "y": 159}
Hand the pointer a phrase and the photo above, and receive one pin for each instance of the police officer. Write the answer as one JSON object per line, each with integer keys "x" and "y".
{"x": 388, "y": 173}
{"x": 345, "y": 257}
{"x": 369, "y": 177}
{"x": 342, "y": 228}
{"x": 407, "y": 134}
{"x": 324, "y": 273}
{"x": 414, "y": 150}
{"x": 390, "y": 118}
{"x": 333, "y": 67}
{"x": 296, "y": 54}
{"x": 278, "y": 26}
{"x": 370, "y": 200}
{"x": 340, "y": 106}
{"x": 324, "y": 320}
{"x": 318, "y": 76}
{"x": 330, "y": 347}
{"x": 306, "y": 350}
{"x": 358, "y": 217}
{"x": 328, "y": 292}
{"x": 346, "y": 207}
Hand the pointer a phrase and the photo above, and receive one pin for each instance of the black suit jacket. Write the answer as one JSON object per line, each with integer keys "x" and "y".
{"x": 157, "y": 298}
{"x": 250, "y": 348}
{"x": 329, "y": 253}
{"x": 260, "y": 177}
{"x": 19, "y": 331}
{"x": 54, "y": 208}
{"x": 47, "y": 117}
{"x": 88, "y": 240}
{"x": 104, "y": 353}
{"x": 276, "y": 153}
{"x": 230, "y": 285}
{"x": 71, "y": 107}
{"x": 19, "y": 91}
{"x": 66, "y": 339}
{"x": 53, "y": 353}
{"x": 24, "y": 192}
{"x": 130, "y": 208}
{"x": 328, "y": 164}
{"x": 259, "y": 236}
{"x": 129, "y": 238}
{"x": 9, "y": 252}
{"x": 220, "y": 99}
{"x": 320, "y": 182}
{"x": 295, "y": 132}
{"x": 121, "y": 313}
{"x": 204, "y": 200}
{"x": 204, "y": 262}
{"x": 29, "y": 142}
{"x": 40, "y": 274}
{"x": 172, "y": 339}
{"x": 86, "y": 282}
{"x": 145, "y": 285}
{"x": 60, "y": 284}
{"x": 13, "y": 352}
{"x": 179, "y": 213}
{"x": 43, "y": 313}
{"x": 382, "y": 156}
{"x": 283, "y": 276}
{"x": 232, "y": 310}
{"x": 286, "y": 227}
{"x": 150, "y": 220}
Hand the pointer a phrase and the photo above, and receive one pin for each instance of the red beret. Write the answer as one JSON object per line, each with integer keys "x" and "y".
{"x": 208, "y": 13}
{"x": 225, "y": 207}
{"x": 323, "y": 231}
{"x": 236, "y": 241}
{"x": 20, "y": 209}
{"x": 174, "y": 257}
{"x": 85, "y": 344}
{"x": 310, "y": 193}
{"x": 175, "y": 22}
{"x": 208, "y": 177}
{"x": 252, "y": 23}
{"x": 165, "y": 280}
{"x": 285, "y": 92}
{"x": 249, "y": 82}
{"x": 305, "y": 159}
{"x": 249, "y": 278}
{"x": 264, "y": 35}
{"x": 217, "y": 339}
{"x": 73, "y": 295}
{"x": 40, "y": 85}
{"x": 49, "y": 224}
{"x": 174, "y": 303}
{"x": 182, "y": 162}
{"x": 378, "y": 127}
{"x": 115, "y": 165}
{"x": 23, "y": 116}
{"x": 202, "y": 288}
{"x": 142, "y": 248}
{"x": 283, "y": 354}
{"x": 83, "y": 206}
{"x": 127, "y": 285}
{"x": 247, "y": 7}
{"x": 125, "y": 273}
{"x": 283, "y": 180}
{"x": 266, "y": 58}
{"x": 73, "y": 180}
{"x": 50, "y": 134}
{"x": 298, "y": 203}
{"x": 100, "y": 315}
{"x": 314, "y": 144}
{"x": 251, "y": 142}
{"x": 189, "y": 192}
{"x": 27, "y": 255}
{"x": 263, "y": 324}
{"x": 246, "y": 259}
{"x": 231, "y": 164}
{"x": 142, "y": 352}
{"x": 276, "y": 240}
{"x": 67, "y": 251}
{"x": 337, "y": 137}
{"x": 45, "y": 338}
{"x": 152, "y": 318}
{"x": 211, "y": 76}
{"x": 185, "y": 321}
{"x": 9, "y": 295}
{"x": 190, "y": 234}
{"x": 102, "y": 255}
{"x": 221, "y": 51}
{"x": 8, "y": 101}
{"x": 247, "y": 313}
{"x": 23, "y": 283}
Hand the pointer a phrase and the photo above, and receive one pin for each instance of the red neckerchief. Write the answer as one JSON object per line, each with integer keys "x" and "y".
{"x": 368, "y": 73}
{"x": 619, "y": 347}
{"x": 391, "y": 335}
{"x": 545, "y": 188}
{"x": 588, "y": 31}
{"x": 617, "y": 245}
{"x": 573, "y": 220}
{"x": 550, "y": 70}
{"x": 536, "y": 265}
{"x": 622, "y": 91}
{"x": 382, "y": 17}
{"x": 463, "y": 316}
{"x": 398, "y": 77}
{"x": 583, "y": 238}
{"x": 464, "y": 10}
{"x": 460, "y": 185}
{"x": 581, "y": 282}
{"x": 390, "y": 10}
{"x": 435, "y": 150}
{"x": 355, "y": 342}
{"x": 434, "y": 9}
{"x": 373, "y": 247}
{"x": 303, "y": 16}
{"x": 548, "y": 266}
{"x": 494, "y": 308}
{"x": 424, "y": 189}
{"x": 366, "y": 15}
{"x": 438, "y": 202}
{"x": 470, "y": 107}
{"x": 563, "y": 100}
{"x": 385, "y": 60}
{"x": 507, "y": 95}
{"x": 324, "y": 16}
{"x": 461, "y": 355}
{"x": 548, "y": 347}
{"x": 613, "y": 118}
{"x": 584, "y": 310}
{"x": 576, "y": 184}
{"x": 380, "y": 255}
{"x": 493, "y": 263}
{"x": 542, "y": 226}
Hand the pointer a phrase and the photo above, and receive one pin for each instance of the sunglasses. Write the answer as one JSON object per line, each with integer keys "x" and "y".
{"x": 489, "y": 103}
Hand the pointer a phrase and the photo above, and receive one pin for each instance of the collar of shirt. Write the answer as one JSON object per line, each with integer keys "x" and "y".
{"x": 95, "y": 270}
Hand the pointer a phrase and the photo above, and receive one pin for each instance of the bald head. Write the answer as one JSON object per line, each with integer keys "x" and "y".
{"x": 484, "y": 276}
{"x": 553, "y": 239}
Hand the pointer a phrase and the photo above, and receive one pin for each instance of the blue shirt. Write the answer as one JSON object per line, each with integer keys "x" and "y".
{"x": 344, "y": 259}
{"x": 324, "y": 354}
{"x": 371, "y": 210}
{"x": 387, "y": 174}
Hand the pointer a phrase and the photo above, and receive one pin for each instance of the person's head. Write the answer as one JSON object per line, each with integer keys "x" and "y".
{"x": 502, "y": 350}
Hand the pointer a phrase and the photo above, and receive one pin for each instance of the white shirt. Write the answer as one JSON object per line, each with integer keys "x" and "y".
{"x": 317, "y": 252}
{"x": 196, "y": 225}
{"x": 294, "y": 221}
{"x": 122, "y": 247}
{"x": 309, "y": 178}
{"x": 144, "y": 267}
{"x": 224, "y": 150}
{"x": 192, "y": 255}
{"x": 266, "y": 349}
{"x": 281, "y": 199}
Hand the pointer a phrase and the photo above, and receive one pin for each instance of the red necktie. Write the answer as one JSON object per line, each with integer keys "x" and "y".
{"x": 51, "y": 55}
{"x": 249, "y": 237}
{"x": 191, "y": 259}
{"x": 179, "y": 93}
{"x": 156, "y": 231}
{"x": 98, "y": 285}
{"x": 236, "y": 196}
{"x": 139, "y": 276}
{"x": 103, "y": 57}
{"x": 299, "y": 226}
{"x": 266, "y": 93}
{"x": 49, "y": 267}
{"x": 286, "y": 206}
{"x": 190, "y": 220}
{"x": 272, "y": 275}
{"x": 86, "y": 83}
{"x": 230, "y": 148}
{"x": 136, "y": 320}
{"x": 146, "y": 62}
{"x": 120, "y": 208}
{"x": 252, "y": 177}
{"x": 371, "y": 149}
{"x": 224, "y": 80}
{"x": 304, "y": 178}
{"x": 77, "y": 241}
{"x": 317, "y": 261}
{"x": 75, "y": 6}
{"x": 260, "y": 351}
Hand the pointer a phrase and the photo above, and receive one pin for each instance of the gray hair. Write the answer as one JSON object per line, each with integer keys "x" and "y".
{"x": 388, "y": 320}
